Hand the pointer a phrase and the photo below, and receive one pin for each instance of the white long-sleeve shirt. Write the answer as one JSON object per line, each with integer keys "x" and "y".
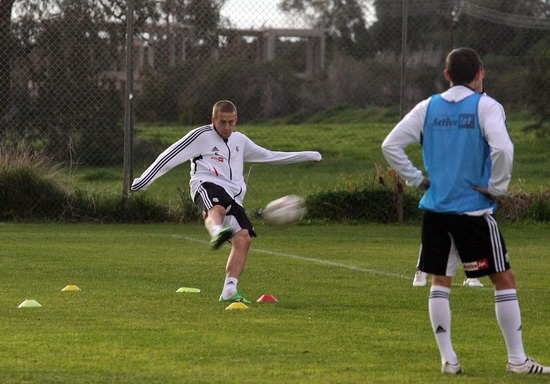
{"x": 492, "y": 120}
{"x": 216, "y": 160}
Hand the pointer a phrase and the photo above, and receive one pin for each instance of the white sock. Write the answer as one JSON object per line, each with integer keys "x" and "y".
{"x": 229, "y": 287}
{"x": 215, "y": 229}
{"x": 509, "y": 320}
{"x": 440, "y": 317}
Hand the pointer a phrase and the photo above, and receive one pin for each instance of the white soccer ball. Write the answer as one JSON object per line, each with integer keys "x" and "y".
{"x": 285, "y": 211}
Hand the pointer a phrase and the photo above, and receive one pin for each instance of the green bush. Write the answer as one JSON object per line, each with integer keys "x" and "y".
{"x": 32, "y": 188}
{"x": 540, "y": 208}
{"x": 29, "y": 186}
{"x": 25, "y": 194}
{"x": 390, "y": 202}
{"x": 369, "y": 205}
{"x": 107, "y": 207}
{"x": 520, "y": 205}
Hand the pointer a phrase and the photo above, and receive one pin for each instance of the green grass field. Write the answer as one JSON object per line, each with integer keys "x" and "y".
{"x": 347, "y": 312}
{"x": 351, "y": 150}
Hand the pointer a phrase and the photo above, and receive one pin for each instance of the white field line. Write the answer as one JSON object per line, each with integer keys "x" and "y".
{"x": 333, "y": 264}
{"x": 311, "y": 259}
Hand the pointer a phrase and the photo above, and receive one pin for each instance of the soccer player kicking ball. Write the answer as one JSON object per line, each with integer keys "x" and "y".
{"x": 217, "y": 155}
{"x": 468, "y": 158}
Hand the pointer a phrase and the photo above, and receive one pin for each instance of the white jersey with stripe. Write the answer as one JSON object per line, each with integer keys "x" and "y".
{"x": 216, "y": 160}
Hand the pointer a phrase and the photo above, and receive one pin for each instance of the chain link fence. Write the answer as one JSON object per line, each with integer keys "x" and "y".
{"x": 87, "y": 82}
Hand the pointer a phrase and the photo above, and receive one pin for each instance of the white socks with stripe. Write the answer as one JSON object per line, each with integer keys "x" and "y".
{"x": 229, "y": 287}
{"x": 440, "y": 317}
{"x": 509, "y": 320}
{"x": 508, "y": 316}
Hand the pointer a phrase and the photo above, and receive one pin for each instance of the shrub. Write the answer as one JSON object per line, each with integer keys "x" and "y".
{"x": 371, "y": 205}
{"x": 520, "y": 205}
{"x": 390, "y": 201}
{"x": 30, "y": 187}
{"x": 386, "y": 201}
{"x": 513, "y": 206}
{"x": 108, "y": 206}
{"x": 540, "y": 207}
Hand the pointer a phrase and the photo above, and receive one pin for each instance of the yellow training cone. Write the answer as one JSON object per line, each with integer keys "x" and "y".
{"x": 70, "y": 288}
{"x": 237, "y": 305}
{"x": 29, "y": 304}
{"x": 188, "y": 290}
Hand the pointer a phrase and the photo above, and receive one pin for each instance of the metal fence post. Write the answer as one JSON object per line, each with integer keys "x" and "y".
{"x": 399, "y": 187}
{"x": 128, "y": 102}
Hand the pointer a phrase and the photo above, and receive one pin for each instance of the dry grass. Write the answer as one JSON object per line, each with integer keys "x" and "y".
{"x": 521, "y": 205}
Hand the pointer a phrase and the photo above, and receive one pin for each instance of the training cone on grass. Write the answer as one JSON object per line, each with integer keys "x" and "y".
{"x": 29, "y": 304}
{"x": 188, "y": 290}
{"x": 70, "y": 288}
{"x": 267, "y": 299}
{"x": 237, "y": 305}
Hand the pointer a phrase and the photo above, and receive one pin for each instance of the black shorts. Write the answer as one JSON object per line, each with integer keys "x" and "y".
{"x": 474, "y": 241}
{"x": 210, "y": 194}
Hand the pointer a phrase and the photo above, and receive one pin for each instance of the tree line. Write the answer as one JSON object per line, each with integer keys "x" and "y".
{"x": 56, "y": 57}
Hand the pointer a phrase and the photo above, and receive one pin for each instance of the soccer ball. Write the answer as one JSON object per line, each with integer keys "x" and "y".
{"x": 285, "y": 211}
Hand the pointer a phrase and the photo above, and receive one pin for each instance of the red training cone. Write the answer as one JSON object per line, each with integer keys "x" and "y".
{"x": 266, "y": 299}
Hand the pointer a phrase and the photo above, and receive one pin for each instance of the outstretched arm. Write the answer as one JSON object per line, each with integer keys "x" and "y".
{"x": 257, "y": 154}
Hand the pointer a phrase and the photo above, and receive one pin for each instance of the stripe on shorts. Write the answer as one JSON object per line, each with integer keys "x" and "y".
{"x": 496, "y": 244}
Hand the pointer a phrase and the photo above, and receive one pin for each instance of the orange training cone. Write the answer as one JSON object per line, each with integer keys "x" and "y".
{"x": 266, "y": 299}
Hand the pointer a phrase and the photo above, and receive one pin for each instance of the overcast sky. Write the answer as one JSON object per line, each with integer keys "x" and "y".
{"x": 266, "y": 14}
{"x": 256, "y": 14}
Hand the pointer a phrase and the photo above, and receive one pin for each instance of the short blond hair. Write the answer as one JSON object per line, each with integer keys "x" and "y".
{"x": 223, "y": 106}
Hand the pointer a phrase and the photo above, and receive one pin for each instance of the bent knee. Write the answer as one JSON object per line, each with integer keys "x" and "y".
{"x": 242, "y": 237}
